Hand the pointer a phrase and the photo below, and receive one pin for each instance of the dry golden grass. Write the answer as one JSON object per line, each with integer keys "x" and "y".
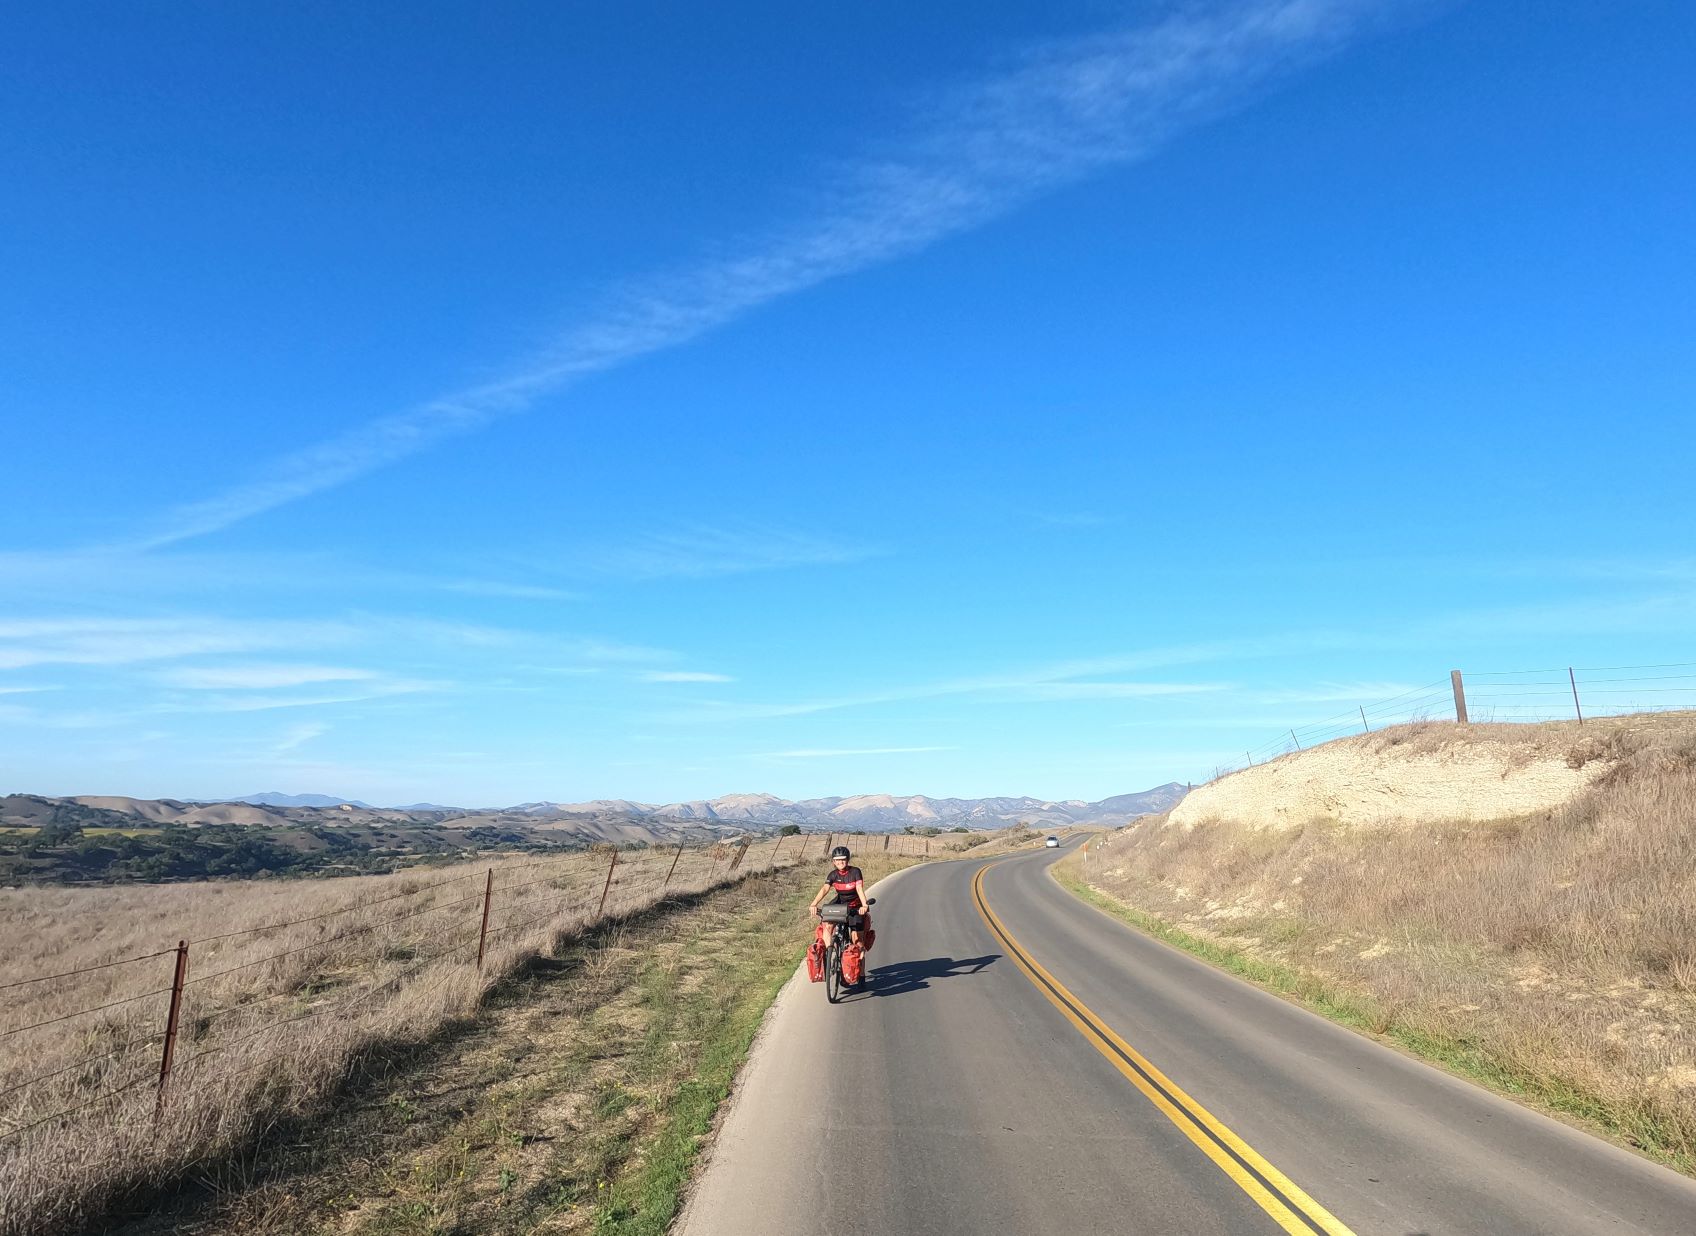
{"x": 574, "y": 1103}
{"x": 1562, "y": 946}
{"x": 290, "y": 983}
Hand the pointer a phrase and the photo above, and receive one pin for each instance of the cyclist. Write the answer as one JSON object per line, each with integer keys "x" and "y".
{"x": 849, "y": 885}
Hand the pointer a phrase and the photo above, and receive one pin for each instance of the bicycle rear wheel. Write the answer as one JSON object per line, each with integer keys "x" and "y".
{"x": 833, "y": 970}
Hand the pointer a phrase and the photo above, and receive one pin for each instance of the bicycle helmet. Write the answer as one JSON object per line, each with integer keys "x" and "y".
{"x": 840, "y": 851}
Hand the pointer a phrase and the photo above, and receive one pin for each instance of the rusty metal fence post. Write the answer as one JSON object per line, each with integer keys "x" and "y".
{"x": 1575, "y": 705}
{"x": 483, "y": 931}
{"x": 775, "y": 849}
{"x": 171, "y": 1019}
{"x": 607, "y": 887}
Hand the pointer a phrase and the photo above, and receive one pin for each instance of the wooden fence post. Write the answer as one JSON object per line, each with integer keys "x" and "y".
{"x": 483, "y": 931}
{"x": 180, "y": 974}
{"x": 780, "y": 840}
{"x": 673, "y": 867}
{"x": 607, "y": 887}
{"x": 1460, "y": 696}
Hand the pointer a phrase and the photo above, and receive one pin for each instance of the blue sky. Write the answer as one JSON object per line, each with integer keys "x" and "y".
{"x": 490, "y": 403}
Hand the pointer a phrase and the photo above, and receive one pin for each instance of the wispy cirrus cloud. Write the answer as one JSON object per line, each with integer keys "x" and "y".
{"x": 684, "y": 676}
{"x": 831, "y": 753}
{"x": 508, "y": 591}
{"x": 80, "y": 576}
{"x": 298, "y": 736}
{"x": 1334, "y": 693}
{"x": 257, "y": 677}
{"x": 264, "y": 703}
{"x": 1056, "y": 116}
{"x": 120, "y": 671}
{"x": 1074, "y": 679}
{"x": 126, "y": 641}
{"x": 703, "y": 551}
{"x": 1114, "y": 690}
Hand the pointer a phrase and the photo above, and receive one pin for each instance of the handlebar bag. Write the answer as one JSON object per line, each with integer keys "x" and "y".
{"x": 836, "y": 912}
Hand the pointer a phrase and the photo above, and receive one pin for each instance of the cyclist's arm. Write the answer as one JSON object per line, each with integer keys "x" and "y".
{"x": 824, "y": 889}
{"x": 865, "y": 902}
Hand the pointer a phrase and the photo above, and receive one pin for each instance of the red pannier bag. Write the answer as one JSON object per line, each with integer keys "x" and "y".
{"x": 851, "y": 958}
{"x": 868, "y": 937}
{"x": 815, "y": 962}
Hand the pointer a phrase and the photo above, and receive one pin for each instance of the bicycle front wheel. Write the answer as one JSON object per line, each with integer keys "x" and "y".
{"x": 833, "y": 971}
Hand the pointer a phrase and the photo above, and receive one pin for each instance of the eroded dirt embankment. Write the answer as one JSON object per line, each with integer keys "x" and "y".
{"x": 1415, "y": 774}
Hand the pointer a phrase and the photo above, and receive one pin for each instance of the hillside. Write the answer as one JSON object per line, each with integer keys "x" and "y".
{"x": 117, "y": 840}
{"x": 113, "y": 839}
{"x": 885, "y": 812}
{"x": 603, "y": 820}
{"x": 272, "y": 798}
{"x": 1516, "y": 901}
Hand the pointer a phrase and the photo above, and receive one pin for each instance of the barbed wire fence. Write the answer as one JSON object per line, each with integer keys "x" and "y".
{"x": 1567, "y": 693}
{"x": 131, "y": 1053}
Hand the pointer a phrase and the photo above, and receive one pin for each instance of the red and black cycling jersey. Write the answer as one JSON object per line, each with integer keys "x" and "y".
{"x": 842, "y": 883}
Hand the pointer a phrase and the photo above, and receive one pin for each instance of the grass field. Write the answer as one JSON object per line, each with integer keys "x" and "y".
{"x": 576, "y": 1102}
{"x": 290, "y": 986}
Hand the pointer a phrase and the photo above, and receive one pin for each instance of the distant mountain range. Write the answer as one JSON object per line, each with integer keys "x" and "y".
{"x": 274, "y": 799}
{"x": 880, "y": 812}
{"x": 610, "y": 819}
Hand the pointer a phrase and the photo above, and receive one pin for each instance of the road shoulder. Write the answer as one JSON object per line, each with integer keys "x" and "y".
{"x": 1357, "y": 1011}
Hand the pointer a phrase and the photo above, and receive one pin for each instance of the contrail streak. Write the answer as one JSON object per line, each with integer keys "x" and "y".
{"x": 1061, "y": 114}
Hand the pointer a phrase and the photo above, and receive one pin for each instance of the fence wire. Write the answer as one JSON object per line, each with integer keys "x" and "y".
{"x": 213, "y": 1025}
{"x": 1516, "y": 696}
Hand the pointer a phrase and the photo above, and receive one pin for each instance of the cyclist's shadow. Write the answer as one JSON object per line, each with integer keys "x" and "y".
{"x": 901, "y": 977}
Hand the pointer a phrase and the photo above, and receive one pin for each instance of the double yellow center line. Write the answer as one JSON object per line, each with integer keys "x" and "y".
{"x": 1274, "y": 1192}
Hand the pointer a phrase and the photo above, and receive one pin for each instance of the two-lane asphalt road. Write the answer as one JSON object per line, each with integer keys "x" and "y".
{"x": 1021, "y": 1063}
